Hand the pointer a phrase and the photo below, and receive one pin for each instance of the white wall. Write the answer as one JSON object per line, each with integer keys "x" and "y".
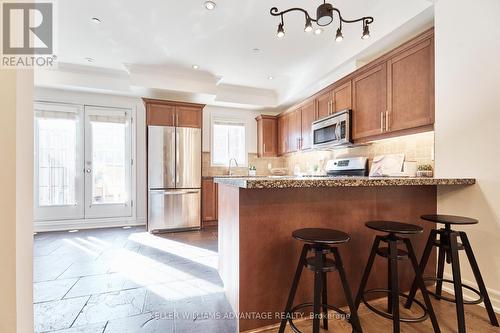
{"x": 247, "y": 116}
{"x": 467, "y": 124}
{"x": 66, "y": 96}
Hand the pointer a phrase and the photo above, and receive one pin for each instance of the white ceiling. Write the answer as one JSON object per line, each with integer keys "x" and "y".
{"x": 156, "y": 42}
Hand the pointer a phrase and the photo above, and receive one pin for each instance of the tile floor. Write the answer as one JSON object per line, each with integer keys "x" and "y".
{"x": 126, "y": 280}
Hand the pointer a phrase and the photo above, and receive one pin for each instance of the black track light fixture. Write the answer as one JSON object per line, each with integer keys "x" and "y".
{"x": 324, "y": 17}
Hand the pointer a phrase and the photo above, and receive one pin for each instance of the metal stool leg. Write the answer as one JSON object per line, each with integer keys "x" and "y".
{"x": 479, "y": 279}
{"x": 457, "y": 281}
{"x": 354, "y": 319}
{"x": 325, "y": 300}
{"x": 293, "y": 289}
{"x": 423, "y": 263}
{"x": 389, "y": 286}
{"x": 440, "y": 272}
{"x": 318, "y": 286}
{"x": 393, "y": 262}
{"x": 420, "y": 282}
{"x": 366, "y": 274}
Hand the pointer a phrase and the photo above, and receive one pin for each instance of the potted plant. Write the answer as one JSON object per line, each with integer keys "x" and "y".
{"x": 424, "y": 170}
{"x": 252, "y": 171}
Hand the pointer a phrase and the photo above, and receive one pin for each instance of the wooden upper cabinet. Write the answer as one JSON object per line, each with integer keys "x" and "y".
{"x": 188, "y": 116}
{"x": 160, "y": 114}
{"x": 410, "y": 87}
{"x": 369, "y": 102}
{"x": 282, "y": 135}
{"x": 342, "y": 97}
{"x": 324, "y": 105}
{"x": 267, "y": 136}
{"x": 308, "y": 115}
{"x": 294, "y": 130}
{"x": 208, "y": 200}
{"x": 166, "y": 113}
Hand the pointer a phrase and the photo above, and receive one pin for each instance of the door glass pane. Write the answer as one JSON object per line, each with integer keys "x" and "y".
{"x": 56, "y": 150}
{"x": 109, "y": 164}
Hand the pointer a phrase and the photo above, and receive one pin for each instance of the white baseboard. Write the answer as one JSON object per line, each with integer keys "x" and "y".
{"x": 469, "y": 295}
{"x": 62, "y": 225}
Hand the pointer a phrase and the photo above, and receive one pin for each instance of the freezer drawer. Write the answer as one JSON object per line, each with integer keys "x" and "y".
{"x": 174, "y": 210}
{"x": 161, "y": 157}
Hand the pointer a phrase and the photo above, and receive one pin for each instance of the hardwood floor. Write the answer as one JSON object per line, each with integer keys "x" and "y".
{"x": 475, "y": 316}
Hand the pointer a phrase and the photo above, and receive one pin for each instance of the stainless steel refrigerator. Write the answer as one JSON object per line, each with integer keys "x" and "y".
{"x": 174, "y": 178}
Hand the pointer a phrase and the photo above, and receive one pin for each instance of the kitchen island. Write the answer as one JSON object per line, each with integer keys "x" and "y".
{"x": 258, "y": 256}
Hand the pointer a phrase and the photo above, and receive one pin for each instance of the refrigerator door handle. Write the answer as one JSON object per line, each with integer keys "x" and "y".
{"x": 177, "y": 157}
{"x": 175, "y": 192}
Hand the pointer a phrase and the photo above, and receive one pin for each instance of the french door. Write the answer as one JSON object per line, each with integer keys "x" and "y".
{"x": 83, "y": 162}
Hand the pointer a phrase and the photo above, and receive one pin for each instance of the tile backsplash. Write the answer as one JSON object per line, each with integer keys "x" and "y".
{"x": 417, "y": 147}
{"x": 260, "y": 163}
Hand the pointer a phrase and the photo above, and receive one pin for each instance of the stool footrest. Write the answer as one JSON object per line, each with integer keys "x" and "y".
{"x": 453, "y": 300}
{"x": 389, "y": 315}
{"x": 310, "y": 305}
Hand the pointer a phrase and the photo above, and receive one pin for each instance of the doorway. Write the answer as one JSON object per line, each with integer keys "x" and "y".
{"x": 83, "y": 162}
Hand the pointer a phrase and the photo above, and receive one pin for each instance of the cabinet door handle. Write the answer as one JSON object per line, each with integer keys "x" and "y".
{"x": 264, "y": 149}
{"x": 381, "y": 122}
{"x": 173, "y": 119}
{"x": 386, "y": 120}
{"x": 176, "y": 120}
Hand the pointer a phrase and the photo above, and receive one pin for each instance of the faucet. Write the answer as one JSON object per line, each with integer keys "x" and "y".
{"x": 229, "y": 171}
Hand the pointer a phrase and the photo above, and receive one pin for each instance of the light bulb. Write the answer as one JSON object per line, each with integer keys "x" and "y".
{"x": 339, "y": 37}
{"x": 210, "y": 5}
{"x": 366, "y": 32}
{"x": 281, "y": 31}
{"x": 308, "y": 27}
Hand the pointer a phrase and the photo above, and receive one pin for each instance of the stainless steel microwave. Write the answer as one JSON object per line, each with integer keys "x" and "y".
{"x": 331, "y": 131}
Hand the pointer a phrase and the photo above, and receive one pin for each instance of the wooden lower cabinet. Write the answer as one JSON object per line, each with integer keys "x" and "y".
{"x": 209, "y": 202}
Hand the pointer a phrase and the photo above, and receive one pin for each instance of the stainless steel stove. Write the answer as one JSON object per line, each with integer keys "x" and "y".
{"x": 347, "y": 167}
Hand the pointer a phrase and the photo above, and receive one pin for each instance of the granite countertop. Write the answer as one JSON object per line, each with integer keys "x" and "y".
{"x": 297, "y": 182}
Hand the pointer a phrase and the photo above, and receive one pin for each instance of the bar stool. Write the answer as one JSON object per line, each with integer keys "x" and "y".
{"x": 320, "y": 242}
{"x": 393, "y": 254}
{"x": 449, "y": 246}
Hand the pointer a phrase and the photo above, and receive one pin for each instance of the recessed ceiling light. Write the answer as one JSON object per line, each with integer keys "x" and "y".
{"x": 96, "y": 20}
{"x": 73, "y": 231}
{"x": 89, "y": 59}
{"x": 256, "y": 50}
{"x": 318, "y": 31}
{"x": 210, "y": 5}
{"x": 270, "y": 77}
{"x": 196, "y": 66}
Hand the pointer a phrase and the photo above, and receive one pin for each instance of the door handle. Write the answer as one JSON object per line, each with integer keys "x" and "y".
{"x": 381, "y": 122}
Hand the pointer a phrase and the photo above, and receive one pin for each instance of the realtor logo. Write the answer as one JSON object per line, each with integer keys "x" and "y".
{"x": 27, "y": 34}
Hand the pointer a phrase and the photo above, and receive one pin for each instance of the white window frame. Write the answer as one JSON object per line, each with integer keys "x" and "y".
{"x": 236, "y": 121}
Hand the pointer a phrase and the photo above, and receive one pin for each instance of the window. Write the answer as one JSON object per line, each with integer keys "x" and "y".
{"x": 228, "y": 142}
